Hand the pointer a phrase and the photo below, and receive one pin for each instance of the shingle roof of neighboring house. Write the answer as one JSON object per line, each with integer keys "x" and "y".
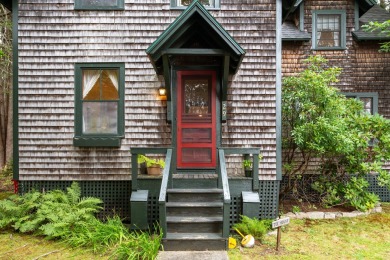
{"x": 291, "y": 33}
{"x": 376, "y": 14}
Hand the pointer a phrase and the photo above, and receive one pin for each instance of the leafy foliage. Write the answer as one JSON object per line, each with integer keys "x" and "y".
{"x": 67, "y": 216}
{"x": 382, "y": 28}
{"x": 322, "y": 127}
{"x": 150, "y": 161}
{"x": 253, "y": 226}
{"x": 97, "y": 235}
{"x": 140, "y": 245}
{"x": 54, "y": 214}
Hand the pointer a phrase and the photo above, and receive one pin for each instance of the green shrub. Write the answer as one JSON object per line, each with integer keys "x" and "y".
{"x": 324, "y": 128}
{"x": 352, "y": 193}
{"x": 253, "y": 226}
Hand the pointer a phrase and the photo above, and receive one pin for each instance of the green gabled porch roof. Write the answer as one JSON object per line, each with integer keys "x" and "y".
{"x": 195, "y": 22}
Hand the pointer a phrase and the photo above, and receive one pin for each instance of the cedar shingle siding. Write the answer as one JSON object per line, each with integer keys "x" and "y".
{"x": 364, "y": 68}
{"x": 53, "y": 37}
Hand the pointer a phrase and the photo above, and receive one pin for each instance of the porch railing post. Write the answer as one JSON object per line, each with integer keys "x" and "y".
{"x": 134, "y": 171}
{"x": 255, "y": 174}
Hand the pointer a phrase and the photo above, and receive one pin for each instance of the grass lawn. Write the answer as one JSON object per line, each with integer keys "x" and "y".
{"x": 365, "y": 237}
{"x": 14, "y": 246}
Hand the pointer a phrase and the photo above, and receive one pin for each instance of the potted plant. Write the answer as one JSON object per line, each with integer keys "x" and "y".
{"x": 247, "y": 164}
{"x": 153, "y": 166}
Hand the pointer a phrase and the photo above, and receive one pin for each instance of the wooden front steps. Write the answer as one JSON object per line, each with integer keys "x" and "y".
{"x": 194, "y": 220}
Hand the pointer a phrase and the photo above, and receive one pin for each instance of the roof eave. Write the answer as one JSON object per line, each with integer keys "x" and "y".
{"x": 302, "y": 39}
{"x": 370, "y": 38}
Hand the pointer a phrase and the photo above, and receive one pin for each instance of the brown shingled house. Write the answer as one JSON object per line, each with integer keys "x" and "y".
{"x": 195, "y": 83}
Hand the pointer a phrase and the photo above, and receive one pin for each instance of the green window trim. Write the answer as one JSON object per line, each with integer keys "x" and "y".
{"x": 361, "y": 95}
{"x": 315, "y": 14}
{"x": 79, "y": 5}
{"x": 98, "y": 139}
{"x": 175, "y": 5}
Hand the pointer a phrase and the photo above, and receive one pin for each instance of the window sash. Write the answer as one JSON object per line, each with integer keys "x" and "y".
{"x": 103, "y": 117}
{"x": 329, "y": 29}
{"x": 100, "y": 117}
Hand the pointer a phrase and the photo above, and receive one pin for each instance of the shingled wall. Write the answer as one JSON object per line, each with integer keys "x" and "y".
{"x": 364, "y": 68}
{"x": 53, "y": 37}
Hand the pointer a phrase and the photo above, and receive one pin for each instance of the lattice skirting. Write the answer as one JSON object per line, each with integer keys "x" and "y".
{"x": 116, "y": 196}
{"x": 269, "y": 201}
{"x": 382, "y": 192}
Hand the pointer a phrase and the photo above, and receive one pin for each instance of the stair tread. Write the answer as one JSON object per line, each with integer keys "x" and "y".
{"x": 186, "y": 219}
{"x": 192, "y": 236}
{"x": 214, "y": 190}
{"x": 194, "y": 204}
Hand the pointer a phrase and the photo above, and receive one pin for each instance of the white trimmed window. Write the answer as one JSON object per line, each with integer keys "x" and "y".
{"x": 329, "y": 28}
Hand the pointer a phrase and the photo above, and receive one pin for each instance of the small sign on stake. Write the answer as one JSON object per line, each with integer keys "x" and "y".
{"x": 278, "y": 224}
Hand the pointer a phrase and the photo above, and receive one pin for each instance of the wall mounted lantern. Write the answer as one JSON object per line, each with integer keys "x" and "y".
{"x": 162, "y": 91}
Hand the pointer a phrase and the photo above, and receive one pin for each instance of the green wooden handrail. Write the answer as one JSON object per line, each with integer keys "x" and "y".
{"x": 246, "y": 152}
{"x": 163, "y": 193}
{"x": 226, "y": 194}
{"x": 166, "y": 176}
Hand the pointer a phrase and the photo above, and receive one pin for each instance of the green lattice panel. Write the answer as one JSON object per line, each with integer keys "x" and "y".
{"x": 383, "y": 192}
{"x": 153, "y": 212}
{"x": 235, "y": 209}
{"x": 114, "y": 194}
{"x": 269, "y": 199}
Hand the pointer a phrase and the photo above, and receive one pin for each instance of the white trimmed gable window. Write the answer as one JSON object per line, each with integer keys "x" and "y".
{"x": 329, "y": 28}
{"x": 209, "y": 4}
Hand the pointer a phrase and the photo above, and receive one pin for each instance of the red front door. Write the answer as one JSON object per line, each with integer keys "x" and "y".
{"x": 196, "y": 119}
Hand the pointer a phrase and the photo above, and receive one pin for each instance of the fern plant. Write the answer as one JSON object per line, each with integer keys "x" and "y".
{"x": 53, "y": 214}
{"x": 253, "y": 226}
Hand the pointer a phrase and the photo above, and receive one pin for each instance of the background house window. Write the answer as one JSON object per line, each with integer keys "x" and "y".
{"x": 99, "y": 102}
{"x": 99, "y": 4}
{"x": 181, "y": 4}
{"x": 369, "y": 100}
{"x": 328, "y": 29}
